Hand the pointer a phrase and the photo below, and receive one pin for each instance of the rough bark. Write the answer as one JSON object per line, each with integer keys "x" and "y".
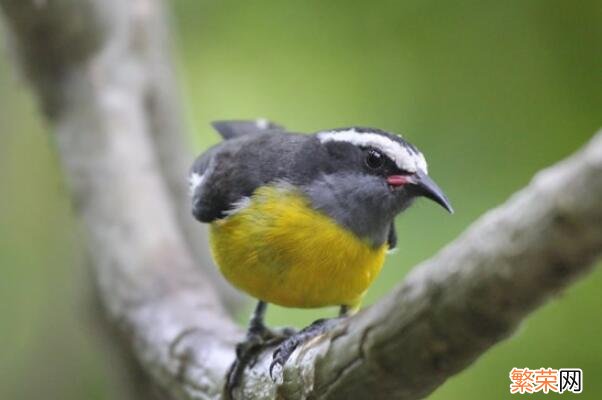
{"x": 93, "y": 65}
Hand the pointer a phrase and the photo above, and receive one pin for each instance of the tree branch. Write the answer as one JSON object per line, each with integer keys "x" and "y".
{"x": 447, "y": 312}
{"x": 96, "y": 102}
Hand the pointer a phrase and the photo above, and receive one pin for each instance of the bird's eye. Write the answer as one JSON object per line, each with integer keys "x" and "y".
{"x": 374, "y": 159}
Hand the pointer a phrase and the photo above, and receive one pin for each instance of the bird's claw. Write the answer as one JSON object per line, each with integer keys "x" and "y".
{"x": 286, "y": 348}
{"x": 246, "y": 354}
{"x": 248, "y": 351}
{"x": 283, "y": 353}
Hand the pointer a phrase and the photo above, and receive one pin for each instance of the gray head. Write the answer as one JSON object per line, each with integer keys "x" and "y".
{"x": 368, "y": 178}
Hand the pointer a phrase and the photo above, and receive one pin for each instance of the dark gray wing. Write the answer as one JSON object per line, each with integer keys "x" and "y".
{"x": 233, "y": 129}
{"x": 212, "y": 195}
{"x": 229, "y": 172}
{"x": 392, "y": 238}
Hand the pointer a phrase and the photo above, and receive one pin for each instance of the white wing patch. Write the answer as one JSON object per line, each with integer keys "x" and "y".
{"x": 403, "y": 157}
{"x": 194, "y": 181}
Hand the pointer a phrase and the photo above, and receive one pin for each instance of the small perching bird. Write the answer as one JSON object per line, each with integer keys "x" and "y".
{"x": 303, "y": 220}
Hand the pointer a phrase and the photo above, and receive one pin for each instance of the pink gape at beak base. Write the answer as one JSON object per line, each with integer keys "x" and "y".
{"x": 398, "y": 180}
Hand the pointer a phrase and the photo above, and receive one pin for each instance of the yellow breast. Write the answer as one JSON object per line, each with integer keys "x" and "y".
{"x": 278, "y": 249}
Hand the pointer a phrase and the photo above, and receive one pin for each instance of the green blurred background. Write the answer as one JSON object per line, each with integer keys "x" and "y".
{"x": 491, "y": 92}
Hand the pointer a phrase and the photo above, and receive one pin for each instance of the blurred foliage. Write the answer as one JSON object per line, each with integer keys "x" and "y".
{"x": 490, "y": 91}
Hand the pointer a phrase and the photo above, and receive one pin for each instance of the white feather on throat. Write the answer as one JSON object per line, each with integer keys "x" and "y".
{"x": 403, "y": 157}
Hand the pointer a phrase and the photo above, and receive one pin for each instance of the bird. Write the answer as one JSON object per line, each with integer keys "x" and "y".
{"x": 303, "y": 220}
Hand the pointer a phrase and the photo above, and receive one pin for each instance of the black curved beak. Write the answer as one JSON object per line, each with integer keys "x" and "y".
{"x": 426, "y": 187}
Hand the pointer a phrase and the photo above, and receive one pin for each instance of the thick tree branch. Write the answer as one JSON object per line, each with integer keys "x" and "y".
{"x": 97, "y": 103}
{"x": 447, "y": 312}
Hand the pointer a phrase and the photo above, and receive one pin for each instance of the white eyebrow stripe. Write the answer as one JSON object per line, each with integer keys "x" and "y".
{"x": 402, "y": 156}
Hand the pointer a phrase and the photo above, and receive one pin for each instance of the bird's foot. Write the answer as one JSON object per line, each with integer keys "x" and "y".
{"x": 257, "y": 338}
{"x": 286, "y": 348}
